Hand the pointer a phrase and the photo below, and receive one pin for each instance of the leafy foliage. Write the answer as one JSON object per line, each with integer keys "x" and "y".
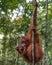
{"x": 12, "y": 30}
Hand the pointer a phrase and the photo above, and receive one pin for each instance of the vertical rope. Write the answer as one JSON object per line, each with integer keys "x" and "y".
{"x": 46, "y": 30}
{"x": 34, "y": 33}
{"x": 33, "y": 58}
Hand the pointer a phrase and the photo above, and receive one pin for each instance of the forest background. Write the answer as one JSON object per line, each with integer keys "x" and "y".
{"x": 15, "y": 16}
